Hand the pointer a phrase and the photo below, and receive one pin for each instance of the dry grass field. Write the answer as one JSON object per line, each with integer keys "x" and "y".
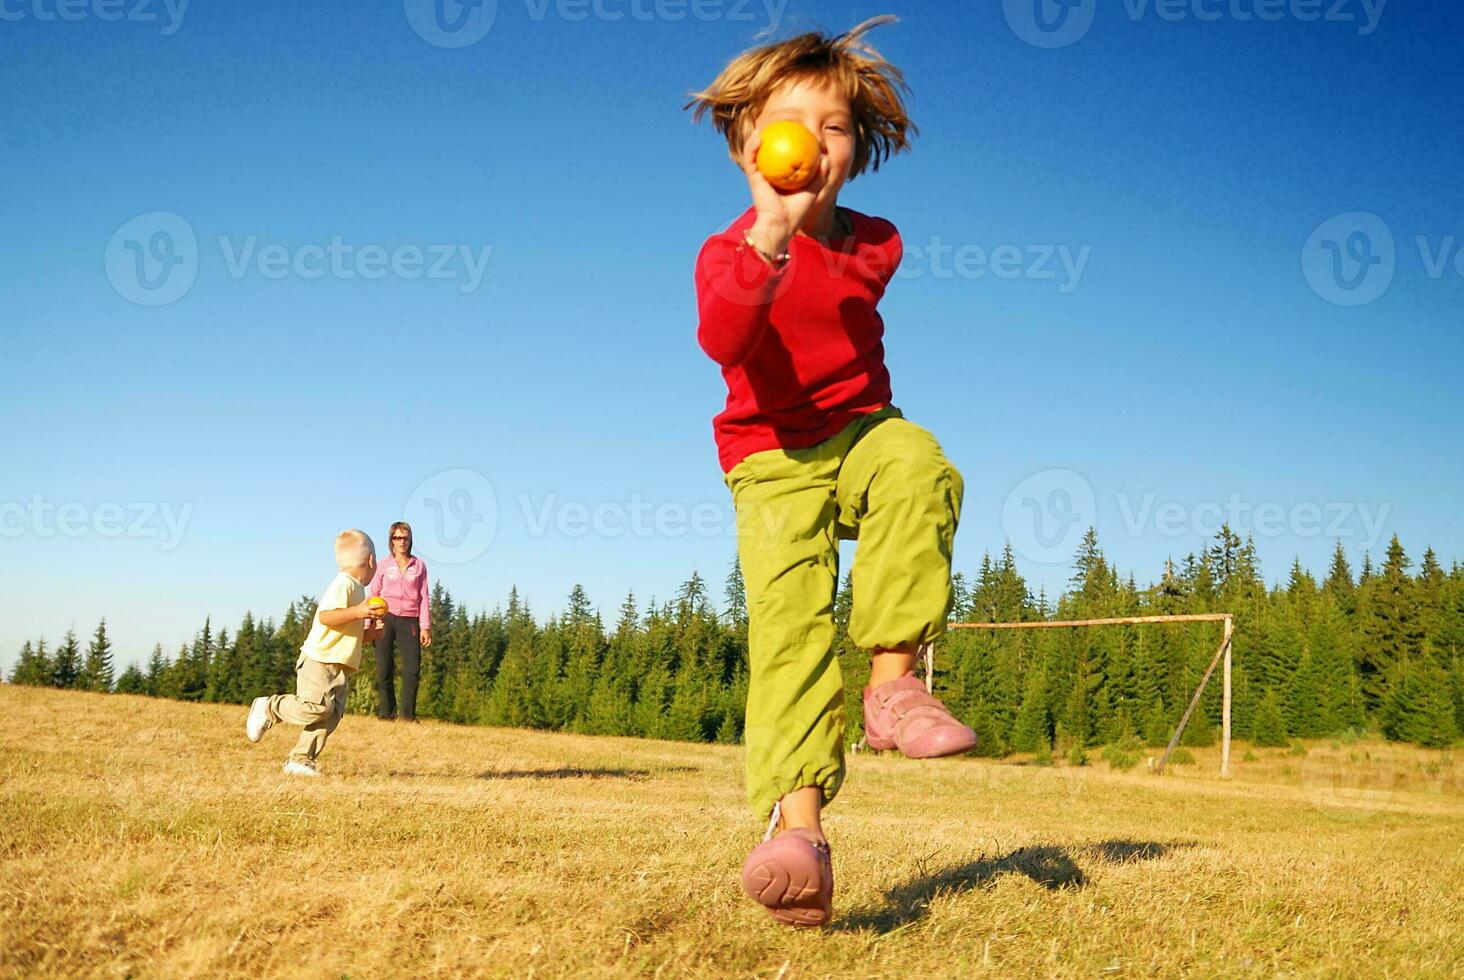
{"x": 148, "y": 838}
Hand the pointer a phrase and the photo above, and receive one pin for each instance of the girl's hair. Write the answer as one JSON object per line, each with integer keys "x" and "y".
{"x": 399, "y": 526}
{"x": 870, "y": 83}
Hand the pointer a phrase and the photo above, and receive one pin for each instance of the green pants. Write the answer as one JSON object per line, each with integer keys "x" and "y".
{"x": 885, "y": 481}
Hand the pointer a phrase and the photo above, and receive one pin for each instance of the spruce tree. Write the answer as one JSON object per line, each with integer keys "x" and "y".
{"x": 735, "y": 596}
{"x": 1157, "y": 725}
{"x": 1456, "y": 679}
{"x": 171, "y": 682}
{"x": 1419, "y": 708}
{"x": 734, "y": 702}
{"x": 132, "y": 681}
{"x": 991, "y": 733}
{"x": 1330, "y": 644}
{"x": 1391, "y": 634}
{"x": 1303, "y": 708}
{"x": 1431, "y": 597}
{"x": 1198, "y": 578}
{"x": 688, "y": 708}
{"x": 960, "y": 598}
{"x": 1274, "y": 652}
{"x": 1033, "y": 726}
{"x": 1269, "y": 727}
{"x": 548, "y": 679}
{"x": 225, "y": 670}
{"x": 190, "y": 670}
{"x": 157, "y": 665}
{"x": 1080, "y": 715}
{"x": 1226, "y": 557}
{"x": 1092, "y": 579}
{"x": 34, "y": 667}
{"x": 584, "y": 640}
{"x": 67, "y": 662}
{"x": 610, "y": 707}
{"x": 680, "y": 670}
{"x": 1449, "y": 643}
{"x": 648, "y": 716}
{"x": 96, "y": 672}
{"x": 1339, "y": 584}
{"x": 514, "y": 699}
{"x": 728, "y": 731}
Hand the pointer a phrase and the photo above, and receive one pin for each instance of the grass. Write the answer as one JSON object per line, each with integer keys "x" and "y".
{"x": 148, "y": 838}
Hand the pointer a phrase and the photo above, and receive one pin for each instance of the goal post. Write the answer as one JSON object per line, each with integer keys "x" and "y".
{"x": 1222, "y": 654}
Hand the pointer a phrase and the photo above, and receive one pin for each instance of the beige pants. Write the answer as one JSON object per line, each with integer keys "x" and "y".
{"x": 318, "y": 703}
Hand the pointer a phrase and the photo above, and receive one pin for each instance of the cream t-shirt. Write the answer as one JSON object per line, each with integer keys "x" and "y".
{"x": 339, "y": 646}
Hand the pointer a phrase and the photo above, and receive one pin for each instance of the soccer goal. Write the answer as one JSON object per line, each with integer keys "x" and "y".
{"x": 1222, "y": 654}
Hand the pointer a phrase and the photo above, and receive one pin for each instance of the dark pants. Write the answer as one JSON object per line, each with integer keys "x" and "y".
{"x": 404, "y": 634}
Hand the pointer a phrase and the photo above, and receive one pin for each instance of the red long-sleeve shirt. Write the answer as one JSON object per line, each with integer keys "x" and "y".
{"x": 801, "y": 348}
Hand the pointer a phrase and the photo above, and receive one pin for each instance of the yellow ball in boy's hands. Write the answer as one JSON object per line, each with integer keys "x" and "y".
{"x": 377, "y": 604}
{"x": 788, "y": 156}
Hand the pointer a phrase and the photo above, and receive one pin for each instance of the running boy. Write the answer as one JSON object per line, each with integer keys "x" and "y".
{"x": 814, "y": 451}
{"x": 330, "y": 655}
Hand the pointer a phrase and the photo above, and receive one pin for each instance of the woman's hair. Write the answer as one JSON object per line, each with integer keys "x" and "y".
{"x": 353, "y": 548}
{"x": 871, "y": 85}
{"x": 399, "y": 526}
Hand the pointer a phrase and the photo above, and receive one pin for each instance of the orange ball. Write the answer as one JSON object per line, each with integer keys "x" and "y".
{"x": 377, "y": 602}
{"x": 788, "y": 156}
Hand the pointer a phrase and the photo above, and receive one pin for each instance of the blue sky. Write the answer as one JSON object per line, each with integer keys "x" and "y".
{"x": 1149, "y": 285}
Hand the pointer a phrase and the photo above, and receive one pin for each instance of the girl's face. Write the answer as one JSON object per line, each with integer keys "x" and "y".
{"x": 817, "y": 105}
{"x": 401, "y": 540}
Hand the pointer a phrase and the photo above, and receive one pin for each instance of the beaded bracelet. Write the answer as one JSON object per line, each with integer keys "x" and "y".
{"x": 776, "y": 261}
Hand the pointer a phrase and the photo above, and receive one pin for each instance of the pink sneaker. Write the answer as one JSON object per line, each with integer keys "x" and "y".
{"x": 792, "y": 877}
{"x": 901, "y": 714}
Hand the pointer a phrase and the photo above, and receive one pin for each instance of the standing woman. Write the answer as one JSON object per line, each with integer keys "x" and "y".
{"x": 402, "y": 581}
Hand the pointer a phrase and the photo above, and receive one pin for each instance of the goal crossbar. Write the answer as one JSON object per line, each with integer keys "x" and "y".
{"x": 1222, "y": 654}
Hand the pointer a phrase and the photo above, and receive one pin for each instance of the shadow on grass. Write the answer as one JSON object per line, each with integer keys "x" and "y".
{"x": 1048, "y": 865}
{"x": 578, "y": 772}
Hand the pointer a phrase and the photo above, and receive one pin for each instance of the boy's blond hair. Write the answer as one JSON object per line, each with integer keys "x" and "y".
{"x": 872, "y": 85}
{"x": 353, "y": 548}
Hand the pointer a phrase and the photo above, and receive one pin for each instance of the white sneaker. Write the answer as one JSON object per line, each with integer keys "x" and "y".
{"x": 258, "y": 721}
{"x": 293, "y": 768}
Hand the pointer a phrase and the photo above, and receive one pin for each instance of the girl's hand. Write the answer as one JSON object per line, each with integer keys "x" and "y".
{"x": 779, "y": 214}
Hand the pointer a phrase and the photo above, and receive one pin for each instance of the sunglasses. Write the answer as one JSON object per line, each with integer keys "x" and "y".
{"x": 401, "y": 537}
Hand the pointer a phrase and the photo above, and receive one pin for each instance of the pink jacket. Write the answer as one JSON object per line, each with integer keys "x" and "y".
{"x": 405, "y": 592}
